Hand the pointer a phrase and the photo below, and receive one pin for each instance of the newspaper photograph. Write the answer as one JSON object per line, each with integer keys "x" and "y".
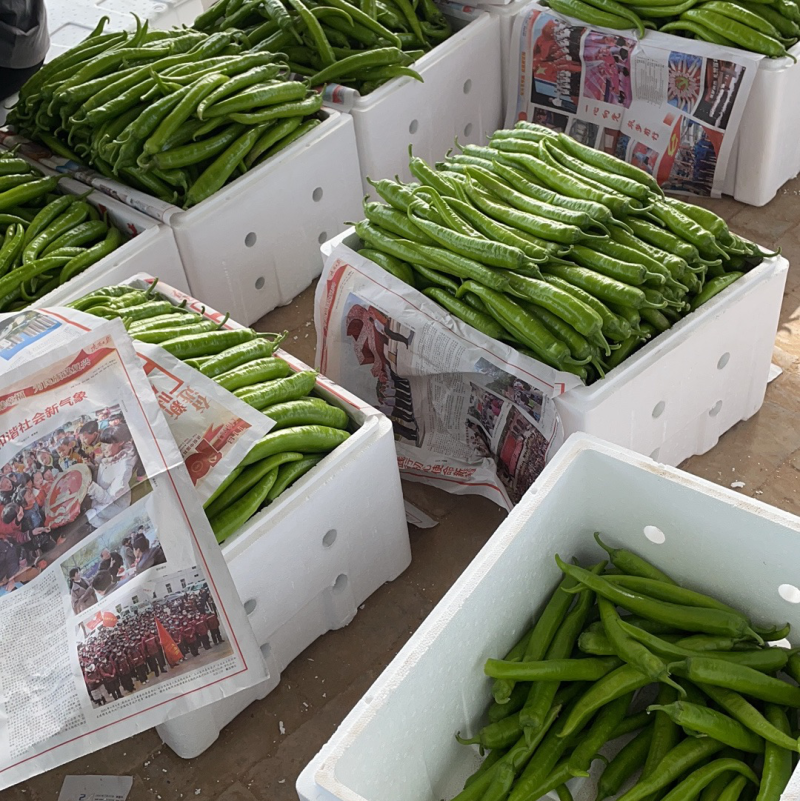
{"x": 117, "y": 608}
{"x": 670, "y": 106}
{"x": 470, "y": 414}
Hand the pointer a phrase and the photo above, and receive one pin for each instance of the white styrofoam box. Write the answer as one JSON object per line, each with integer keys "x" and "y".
{"x": 254, "y": 244}
{"x": 461, "y": 96}
{"x": 397, "y": 743}
{"x": 675, "y": 397}
{"x": 151, "y": 249}
{"x": 768, "y": 157}
{"x": 71, "y": 21}
{"x": 506, "y": 13}
{"x": 306, "y": 563}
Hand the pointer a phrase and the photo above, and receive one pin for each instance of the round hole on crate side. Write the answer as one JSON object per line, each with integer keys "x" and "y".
{"x": 250, "y": 606}
{"x": 468, "y": 129}
{"x": 260, "y": 282}
{"x": 413, "y": 127}
{"x": 658, "y": 409}
{"x": 655, "y": 535}
{"x": 250, "y": 239}
{"x": 467, "y": 86}
{"x": 266, "y": 651}
{"x": 654, "y": 454}
{"x": 340, "y": 583}
{"x": 723, "y": 360}
{"x": 329, "y": 538}
{"x": 789, "y": 593}
{"x": 316, "y": 195}
{"x": 715, "y": 409}
{"x": 323, "y": 237}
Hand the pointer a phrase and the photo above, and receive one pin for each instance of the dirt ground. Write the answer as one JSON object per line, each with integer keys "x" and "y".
{"x": 259, "y": 755}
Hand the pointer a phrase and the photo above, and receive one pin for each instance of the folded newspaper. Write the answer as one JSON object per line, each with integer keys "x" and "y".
{"x": 669, "y": 105}
{"x": 470, "y": 414}
{"x": 117, "y": 608}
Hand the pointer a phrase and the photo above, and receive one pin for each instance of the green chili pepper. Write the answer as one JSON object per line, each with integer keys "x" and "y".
{"x": 12, "y": 247}
{"x": 236, "y": 355}
{"x": 271, "y": 136}
{"x": 551, "y": 669}
{"x": 688, "y": 618}
{"x": 279, "y": 390}
{"x": 711, "y": 723}
{"x": 160, "y": 335}
{"x": 627, "y": 762}
{"x": 254, "y": 372}
{"x": 632, "y": 564}
{"x": 541, "y": 696}
{"x": 433, "y": 257}
{"x": 739, "y": 678}
{"x": 290, "y": 473}
{"x": 631, "y": 650}
{"x": 244, "y": 480}
{"x": 218, "y": 172}
{"x": 82, "y": 234}
{"x": 714, "y": 287}
{"x": 618, "y": 183}
{"x": 234, "y": 517}
{"x": 684, "y": 756}
{"x": 517, "y": 758}
{"x": 740, "y": 709}
{"x": 304, "y": 439}
{"x": 768, "y": 660}
{"x": 306, "y": 411}
{"x": 208, "y": 344}
{"x": 20, "y": 195}
{"x": 481, "y": 322}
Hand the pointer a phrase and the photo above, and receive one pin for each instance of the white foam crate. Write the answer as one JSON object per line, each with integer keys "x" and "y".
{"x": 304, "y": 565}
{"x": 397, "y": 743}
{"x": 71, "y": 21}
{"x": 676, "y": 396}
{"x": 254, "y": 244}
{"x": 152, "y": 249}
{"x": 766, "y": 158}
{"x": 462, "y": 96}
{"x": 685, "y": 388}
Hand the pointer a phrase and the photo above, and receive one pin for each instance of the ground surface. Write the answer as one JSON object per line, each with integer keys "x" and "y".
{"x": 253, "y": 760}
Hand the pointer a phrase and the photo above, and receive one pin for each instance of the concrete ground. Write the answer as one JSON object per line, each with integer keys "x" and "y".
{"x": 258, "y": 756}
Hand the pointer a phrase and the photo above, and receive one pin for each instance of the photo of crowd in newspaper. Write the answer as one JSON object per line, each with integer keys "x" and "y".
{"x": 672, "y": 112}
{"x": 149, "y": 635}
{"x": 63, "y": 486}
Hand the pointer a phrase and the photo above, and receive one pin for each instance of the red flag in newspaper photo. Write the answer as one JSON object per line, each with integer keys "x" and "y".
{"x": 171, "y": 650}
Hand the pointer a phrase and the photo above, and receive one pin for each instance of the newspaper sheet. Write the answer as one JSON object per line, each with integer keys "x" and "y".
{"x": 671, "y": 106}
{"x": 141, "y": 201}
{"x": 213, "y": 429}
{"x": 117, "y": 608}
{"x": 470, "y": 414}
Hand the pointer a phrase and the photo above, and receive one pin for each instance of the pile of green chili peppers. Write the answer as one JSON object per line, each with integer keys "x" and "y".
{"x": 358, "y": 44}
{"x": 46, "y": 237}
{"x": 707, "y": 710}
{"x": 569, "y": 254}
{"x": 174, "y": 113}
{"x": 243, "y": 362}
{"x": 761, "y": 26}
